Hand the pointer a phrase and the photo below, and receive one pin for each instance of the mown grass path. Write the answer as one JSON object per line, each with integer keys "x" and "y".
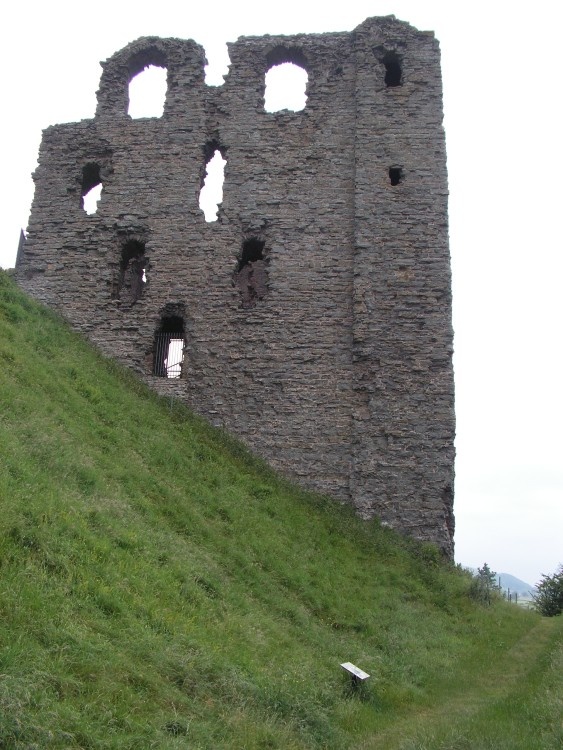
{"x": 475, "y": 714}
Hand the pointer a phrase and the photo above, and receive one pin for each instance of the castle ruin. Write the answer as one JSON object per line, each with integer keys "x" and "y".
{"x": 313, "y": 318}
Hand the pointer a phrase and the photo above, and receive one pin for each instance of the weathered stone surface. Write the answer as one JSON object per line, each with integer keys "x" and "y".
{"x": 328, "y": 347}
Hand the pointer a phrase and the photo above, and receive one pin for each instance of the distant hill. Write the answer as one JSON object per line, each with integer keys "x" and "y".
{"x": 508, "y": 581}
{"x": 516, "y": 585}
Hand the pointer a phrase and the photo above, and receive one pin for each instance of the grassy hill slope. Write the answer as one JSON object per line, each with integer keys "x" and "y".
{"x": 161, "y": 588}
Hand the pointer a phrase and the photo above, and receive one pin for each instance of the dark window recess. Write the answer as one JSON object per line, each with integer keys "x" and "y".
{"x": 251, "y": 275}
{"x": 169, "y": 348}
{"x": 132, "y": 272}
{"x": 91, "y": 188}
{"x": 395, "y": 175}
{"x": 393, "y": 70}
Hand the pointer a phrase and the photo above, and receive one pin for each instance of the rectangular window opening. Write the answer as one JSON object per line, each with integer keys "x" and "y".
{"x": 168, "y": 355}
{"x": 175, "y": 358}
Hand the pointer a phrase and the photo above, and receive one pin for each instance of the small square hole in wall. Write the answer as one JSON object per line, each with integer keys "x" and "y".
{"x": 395, "y": 175}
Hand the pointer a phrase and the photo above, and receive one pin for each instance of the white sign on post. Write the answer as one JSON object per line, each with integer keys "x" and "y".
{"x": 356, "y": 672}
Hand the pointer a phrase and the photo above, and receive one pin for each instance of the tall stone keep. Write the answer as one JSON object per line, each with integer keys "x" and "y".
{"x": 313, "y": 318}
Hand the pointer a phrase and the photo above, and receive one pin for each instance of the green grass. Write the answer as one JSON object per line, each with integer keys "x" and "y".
{"x": 162, "y": 588}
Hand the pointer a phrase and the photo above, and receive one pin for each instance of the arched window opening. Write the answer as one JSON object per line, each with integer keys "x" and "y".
{"x": 251, "y": 274}
{"x": 286, "y": 88}
{"x": 393, "y": 70}
{"x": 211, "y": 192}
{"x": 147, "y": 92}
{"x": 91, "y": 188}
{"x": 91, "y": 199}
{"x": 132, "y": 272}
{"x": 169, "y": 348}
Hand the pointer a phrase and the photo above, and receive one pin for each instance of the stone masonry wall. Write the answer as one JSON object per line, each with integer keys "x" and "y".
{"x": 316, "y": 311}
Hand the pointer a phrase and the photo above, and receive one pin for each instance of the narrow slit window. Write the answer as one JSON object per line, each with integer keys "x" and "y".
{"x": 211, "y": 193}
{"x": 393, "y": 70}
{"x": 286, "y": 88}
{"x": 169, "y": 348}
{"x": 147, "y": 92}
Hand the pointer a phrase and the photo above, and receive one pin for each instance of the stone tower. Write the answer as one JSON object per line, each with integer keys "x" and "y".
{"x": 313, "y": 318}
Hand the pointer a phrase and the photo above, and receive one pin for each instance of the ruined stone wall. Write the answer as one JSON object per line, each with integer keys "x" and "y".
{"x": 329, "y": 351}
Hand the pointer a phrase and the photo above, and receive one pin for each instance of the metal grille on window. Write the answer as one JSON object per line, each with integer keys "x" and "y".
{"x": 168, "y": 355}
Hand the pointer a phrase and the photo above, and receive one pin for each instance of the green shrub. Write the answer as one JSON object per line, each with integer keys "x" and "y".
{"x": 549, "y": 599}
{"x": 484, "y": 588}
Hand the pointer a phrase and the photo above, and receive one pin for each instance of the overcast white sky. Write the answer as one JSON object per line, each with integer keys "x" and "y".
{"x": 503, "y": 77}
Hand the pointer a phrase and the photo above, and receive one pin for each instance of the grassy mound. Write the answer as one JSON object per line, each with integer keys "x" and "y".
{"x": 162, "y": 588}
